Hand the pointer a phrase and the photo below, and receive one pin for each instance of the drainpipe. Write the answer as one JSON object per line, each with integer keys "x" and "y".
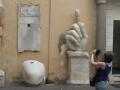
{"x": 49, "y": 38}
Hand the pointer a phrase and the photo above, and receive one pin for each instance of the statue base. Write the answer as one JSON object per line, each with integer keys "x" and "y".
{"x": 78, "y": 67}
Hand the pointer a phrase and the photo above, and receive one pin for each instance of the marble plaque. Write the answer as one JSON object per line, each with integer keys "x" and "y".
{"x": 28, "y": 28}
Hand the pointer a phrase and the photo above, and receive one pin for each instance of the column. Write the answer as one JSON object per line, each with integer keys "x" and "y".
{"x": 101, "y": 24}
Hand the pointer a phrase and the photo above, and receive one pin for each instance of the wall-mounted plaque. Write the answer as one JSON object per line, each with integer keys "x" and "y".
{"x": 28, "y": 28}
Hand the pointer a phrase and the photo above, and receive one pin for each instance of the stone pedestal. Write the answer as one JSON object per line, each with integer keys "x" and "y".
{"x": 78, "y": 67}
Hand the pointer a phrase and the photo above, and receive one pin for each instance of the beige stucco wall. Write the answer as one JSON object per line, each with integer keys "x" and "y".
{"x": 54, "y": 20}
{"x": 62, "y": 13}
{"x": 10, "y": 60}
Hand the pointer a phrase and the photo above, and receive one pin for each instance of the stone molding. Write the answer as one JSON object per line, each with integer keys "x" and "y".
{"x": 78, "y": 54}
{"x": 101, "y": 1}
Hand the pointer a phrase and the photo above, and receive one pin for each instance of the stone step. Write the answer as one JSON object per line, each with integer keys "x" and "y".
{"x": 115, "y": 79}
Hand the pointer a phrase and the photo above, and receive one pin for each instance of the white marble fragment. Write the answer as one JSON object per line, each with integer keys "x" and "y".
{"x": 2, "y": 78}
{"x": 34, "y": 72}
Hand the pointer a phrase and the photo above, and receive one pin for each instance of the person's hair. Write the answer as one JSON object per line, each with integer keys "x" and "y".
{"x": 108, "y": 57}
{"x": 98, "y": 52}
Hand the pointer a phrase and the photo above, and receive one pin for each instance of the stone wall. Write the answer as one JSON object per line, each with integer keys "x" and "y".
{"x": 10, "y": 60}
{"x": 56, "y": 17}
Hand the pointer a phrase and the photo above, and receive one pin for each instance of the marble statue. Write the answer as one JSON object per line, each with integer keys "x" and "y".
{"x": 73, "y": 39}
{"x": 73, "y": 56}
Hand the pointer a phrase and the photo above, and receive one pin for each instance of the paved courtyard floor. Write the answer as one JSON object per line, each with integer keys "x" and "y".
{"x": 55, "y": 87}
